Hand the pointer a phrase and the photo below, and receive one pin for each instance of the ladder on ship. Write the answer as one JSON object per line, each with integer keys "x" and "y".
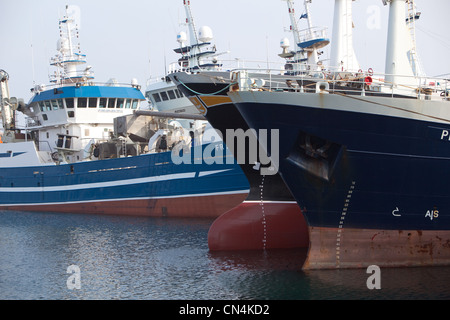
{"x": 124, "y": 148}
{"x": 412, "y": 16}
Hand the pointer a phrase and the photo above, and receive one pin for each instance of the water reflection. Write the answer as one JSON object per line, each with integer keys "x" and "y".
{"x": 263, "y": 275}
{"x": 159, "y": 258}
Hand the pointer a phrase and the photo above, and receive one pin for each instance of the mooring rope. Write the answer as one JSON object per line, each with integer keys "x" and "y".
{"x": 206, "y": 94}
{"x": 392, "y": 107}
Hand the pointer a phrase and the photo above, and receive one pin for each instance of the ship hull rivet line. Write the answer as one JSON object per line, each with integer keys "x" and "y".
{"x": 264, "y": 222}
{"x": 341, "y": 224}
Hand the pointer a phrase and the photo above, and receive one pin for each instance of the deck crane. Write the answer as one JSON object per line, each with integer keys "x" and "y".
{"x": 8, "y": 107}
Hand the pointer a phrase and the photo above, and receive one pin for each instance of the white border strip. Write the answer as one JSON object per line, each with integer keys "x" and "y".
{"x": 237, "y": 192}
{"x": 114, "y": 183}
{"x": 270, "y": 201}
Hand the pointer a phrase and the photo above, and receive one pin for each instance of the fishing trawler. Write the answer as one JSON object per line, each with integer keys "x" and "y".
{"x": 87, "y": 148}
{"x": 269, "y": 198}
{"x": 366, "y": 156}
{"x": 200, "y": 54}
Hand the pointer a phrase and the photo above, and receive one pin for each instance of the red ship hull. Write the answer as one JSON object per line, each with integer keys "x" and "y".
{"x": 182, "y": 207}
{"x": 256, "y": 225}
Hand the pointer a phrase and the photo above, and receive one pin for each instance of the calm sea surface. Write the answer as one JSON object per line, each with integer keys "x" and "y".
{"x": 166, "y": 258}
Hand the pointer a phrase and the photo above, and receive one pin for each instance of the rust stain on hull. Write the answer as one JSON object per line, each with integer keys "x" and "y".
{"x": 183, "y": 207}
{"x": 360, "y": 248}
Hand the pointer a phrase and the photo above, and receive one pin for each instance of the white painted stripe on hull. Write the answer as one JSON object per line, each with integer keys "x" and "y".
{"x": 207, "y": 173}
{"x": 437, "y": 111}
{"x": 269, "y": 201}
{"x": 399, "y": 155}
{"x": 114, "y": 183}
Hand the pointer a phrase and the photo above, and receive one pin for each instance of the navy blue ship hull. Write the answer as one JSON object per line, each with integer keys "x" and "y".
{"x": 364, "y": 172}
{"x": 211, "y": 100}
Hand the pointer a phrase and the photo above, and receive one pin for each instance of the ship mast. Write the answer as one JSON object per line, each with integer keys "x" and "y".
{"x": 398, "y": 67}
{"x": 307, "y": 42}
{"x": 67, "y": 60}
{"x": 190, "y": 22}
{"x": 193, "y": 40}
{"x": 294, "y": 25}
{"x": 194, "y": 55}
{"x": 313, "y": 57}
{"x": 413, "y": 16}
{"x": 343, "y": 57}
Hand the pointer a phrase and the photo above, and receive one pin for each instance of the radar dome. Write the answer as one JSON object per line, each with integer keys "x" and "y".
{"x": 205, "y": 34}
{"x": 182, "y": 37}
{"x": 284, "y": 43}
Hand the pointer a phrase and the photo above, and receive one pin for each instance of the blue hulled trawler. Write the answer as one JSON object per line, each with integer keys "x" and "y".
{"x": 87, "y": 148}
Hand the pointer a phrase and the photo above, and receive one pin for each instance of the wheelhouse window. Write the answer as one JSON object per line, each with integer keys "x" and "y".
{"x": 55, "y": 105}
{"x": 128, "y": 103}
{"x": 111, "y": 102}
{"x": 171, "y": 94}
{"x": 135, "y": 104}
{"x": 156, "y": 97}
{"x": 164, "y": 96}
{"x": 120, "y": 103}
{"x": 82, "y": 103}
{"x": 93, "y": 102}
{"x": 48, "y": 107}
{"x": 69, "y": 103}
{"x": 103, "y": 102}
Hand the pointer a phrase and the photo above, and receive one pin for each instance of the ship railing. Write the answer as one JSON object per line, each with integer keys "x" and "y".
{"x": 354, "y": 83}
{"x": 226, "y": 65}
{"x": 313, "y": 33}
{"x": 82, "y": 83}
{"x": 140, "y": 148}
{"x": 72, "y": 58}
{"x": 71, "y": 76}
{"x": 31, "y": 122}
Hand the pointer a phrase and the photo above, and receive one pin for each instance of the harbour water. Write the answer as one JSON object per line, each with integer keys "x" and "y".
{"x": 134, "y": 258}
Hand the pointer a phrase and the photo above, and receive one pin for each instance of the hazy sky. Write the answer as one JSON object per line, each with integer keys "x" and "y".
{"x": 135, "y": 38}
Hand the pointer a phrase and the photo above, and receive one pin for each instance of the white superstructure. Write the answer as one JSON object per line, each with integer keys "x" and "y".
{"x": 401, "y": 58}
{"x": 305, "y": 58}
{"x": 197, "y": 53}
{"x": 343, "y": 57}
